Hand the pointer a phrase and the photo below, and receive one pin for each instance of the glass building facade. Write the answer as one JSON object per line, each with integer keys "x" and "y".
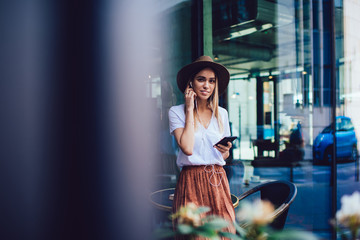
{"x": 294, "y": 67}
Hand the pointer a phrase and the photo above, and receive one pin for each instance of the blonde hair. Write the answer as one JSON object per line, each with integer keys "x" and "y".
{"x": 213, "y": 102}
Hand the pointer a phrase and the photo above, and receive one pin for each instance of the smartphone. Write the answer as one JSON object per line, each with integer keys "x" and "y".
{"x": 225, "y": 140}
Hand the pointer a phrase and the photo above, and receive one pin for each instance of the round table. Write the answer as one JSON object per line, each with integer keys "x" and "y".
{"x": 161, "y": 199}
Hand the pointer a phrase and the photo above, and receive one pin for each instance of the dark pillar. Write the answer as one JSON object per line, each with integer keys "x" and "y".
{"x": 276, "y": 118}
{"x": 260, "y": 108}
{"x": 197, "y": 29}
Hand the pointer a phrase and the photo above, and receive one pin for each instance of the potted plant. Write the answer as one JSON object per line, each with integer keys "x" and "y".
{"x": 253, "y": 219}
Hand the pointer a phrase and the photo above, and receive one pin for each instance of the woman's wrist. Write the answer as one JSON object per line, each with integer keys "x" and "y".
{"x": 226, "y": 155}
{"x": 191, "y": 122}
{"x": 189, "y": 109}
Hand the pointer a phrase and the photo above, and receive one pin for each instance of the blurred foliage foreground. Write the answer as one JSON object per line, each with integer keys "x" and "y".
{"x": 252, "y": 224}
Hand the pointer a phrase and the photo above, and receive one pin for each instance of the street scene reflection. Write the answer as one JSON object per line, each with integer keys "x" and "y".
{"x": 279, "y": 98}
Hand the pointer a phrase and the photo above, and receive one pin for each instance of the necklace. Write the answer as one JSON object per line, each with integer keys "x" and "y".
{"x": 203, "y": 124}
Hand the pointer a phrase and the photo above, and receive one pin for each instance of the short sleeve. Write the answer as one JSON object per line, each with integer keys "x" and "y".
{"x": 176, "y": 119}
{"x": 226, "y": 124}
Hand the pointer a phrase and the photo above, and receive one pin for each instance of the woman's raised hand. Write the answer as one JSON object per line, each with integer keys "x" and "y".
{"x": 190, "y": 96}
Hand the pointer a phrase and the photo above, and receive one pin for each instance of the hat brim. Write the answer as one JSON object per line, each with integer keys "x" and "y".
{"x": 223, "y": 75}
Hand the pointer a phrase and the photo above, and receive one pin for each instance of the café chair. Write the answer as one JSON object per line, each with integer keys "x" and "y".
{"x": 280, "y": 193}
{"x": 163, "y": 199}
{"x": 261, "y": 146}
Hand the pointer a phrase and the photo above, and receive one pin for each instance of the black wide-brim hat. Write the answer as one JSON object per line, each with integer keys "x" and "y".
{"x": 223, "y": 75}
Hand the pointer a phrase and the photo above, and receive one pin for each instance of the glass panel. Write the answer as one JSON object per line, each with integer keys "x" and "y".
{"x": 278, "y": 97}
{"x": 348, "y": 100}
{"x": 174, "y": 51}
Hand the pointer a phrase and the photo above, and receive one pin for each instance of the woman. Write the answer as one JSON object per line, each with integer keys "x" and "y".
{"x": 197, "y": 126}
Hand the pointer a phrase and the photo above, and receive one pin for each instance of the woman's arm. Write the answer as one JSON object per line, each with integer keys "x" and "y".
{"x": 185, "y": 136}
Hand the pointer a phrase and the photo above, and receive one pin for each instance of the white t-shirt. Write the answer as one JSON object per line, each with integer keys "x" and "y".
{"x": 203, "y": 153}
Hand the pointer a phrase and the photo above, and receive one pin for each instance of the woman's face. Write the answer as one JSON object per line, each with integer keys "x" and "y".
{"x": 204, "y": 83}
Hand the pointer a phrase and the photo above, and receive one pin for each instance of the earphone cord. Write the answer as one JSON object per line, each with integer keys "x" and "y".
{"x": 213, "y": 171}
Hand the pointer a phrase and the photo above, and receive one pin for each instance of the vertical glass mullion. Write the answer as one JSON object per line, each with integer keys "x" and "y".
{"x": 333, "y": 180}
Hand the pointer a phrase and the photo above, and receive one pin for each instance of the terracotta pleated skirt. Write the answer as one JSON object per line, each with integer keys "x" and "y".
{"x": 205, "y": 186}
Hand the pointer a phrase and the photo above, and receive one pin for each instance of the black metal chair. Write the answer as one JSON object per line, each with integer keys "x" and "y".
{"x": 264, "y": 145}
{"x": 281, "y": 194}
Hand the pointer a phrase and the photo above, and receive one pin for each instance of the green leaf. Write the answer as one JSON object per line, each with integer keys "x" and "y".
{"x": 163, "y": 233}
{"x": 203, "y": 209}
{"x": 230, "y": 235}
{"x": 240, "y": 230}
{"x": 216, "y": 224}
{"x": 185, "y": 229}
{"x": 292, "y": 235}
{"x": 206, "y": 233}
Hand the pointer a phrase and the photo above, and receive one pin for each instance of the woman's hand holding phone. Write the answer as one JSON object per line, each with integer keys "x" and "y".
{"x": 224, "y": 150}
{"x": 224, "y": 145}
{"x": 190, "y": 96}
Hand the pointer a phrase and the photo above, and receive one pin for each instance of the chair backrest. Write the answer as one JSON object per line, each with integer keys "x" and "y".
{"x": 281, "y": 194}
{"x": 264, "y": 145}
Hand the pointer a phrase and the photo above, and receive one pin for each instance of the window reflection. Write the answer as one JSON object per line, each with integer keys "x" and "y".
{"x": 279, "y": 96}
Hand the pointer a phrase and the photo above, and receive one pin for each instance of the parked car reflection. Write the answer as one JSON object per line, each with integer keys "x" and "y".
{"x": 346, "y": 142}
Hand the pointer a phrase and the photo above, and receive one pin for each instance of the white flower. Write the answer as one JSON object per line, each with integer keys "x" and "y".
{"x": 259, "y": 212}
{"x": 189, "y": 215}
{"x": 349, "y": 214}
